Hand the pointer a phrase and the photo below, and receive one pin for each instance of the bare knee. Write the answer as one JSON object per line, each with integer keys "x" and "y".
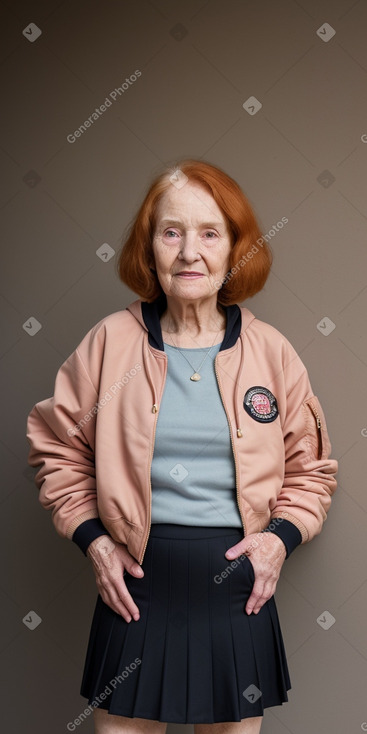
{"x": 105, "y": 723}
{"x": 245, "y": 726}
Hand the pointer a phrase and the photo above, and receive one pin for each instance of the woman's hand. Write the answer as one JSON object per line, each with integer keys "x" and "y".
{"x": 109, "y": 561}
{"x": 267, "y": 553}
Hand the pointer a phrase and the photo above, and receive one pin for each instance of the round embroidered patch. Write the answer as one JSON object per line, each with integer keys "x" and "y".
{"x": 260, "y": 404}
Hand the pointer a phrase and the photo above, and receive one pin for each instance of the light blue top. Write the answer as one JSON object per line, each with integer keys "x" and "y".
{"x": 193, "y": 471}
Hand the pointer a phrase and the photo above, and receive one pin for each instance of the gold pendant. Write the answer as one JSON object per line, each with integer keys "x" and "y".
{"x": 195, "y": 377}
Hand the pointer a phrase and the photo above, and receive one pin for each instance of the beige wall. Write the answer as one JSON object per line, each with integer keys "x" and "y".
{"x": 61, "y": 201}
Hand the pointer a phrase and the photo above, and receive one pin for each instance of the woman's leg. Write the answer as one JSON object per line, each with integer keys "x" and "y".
{"x": 105, "y": 723}
{"x": 245, "y": 726}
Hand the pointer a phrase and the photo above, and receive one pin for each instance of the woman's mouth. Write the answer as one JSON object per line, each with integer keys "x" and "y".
{"x": 190, "y": 275}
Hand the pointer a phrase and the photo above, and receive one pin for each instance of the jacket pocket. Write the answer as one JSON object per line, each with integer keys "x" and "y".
{"x": 316, "y": 430}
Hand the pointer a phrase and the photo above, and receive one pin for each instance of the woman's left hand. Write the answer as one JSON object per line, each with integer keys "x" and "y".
{"x": 267, "y": 553}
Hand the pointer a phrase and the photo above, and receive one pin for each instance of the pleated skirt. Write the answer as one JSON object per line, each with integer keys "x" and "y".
{"x": 195, "y": 655}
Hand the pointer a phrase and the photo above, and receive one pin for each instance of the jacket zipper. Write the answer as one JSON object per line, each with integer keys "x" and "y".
{"x": 319, "y": 434}
{"x": 232, "y": 444}
{"x": 154, "y": 410}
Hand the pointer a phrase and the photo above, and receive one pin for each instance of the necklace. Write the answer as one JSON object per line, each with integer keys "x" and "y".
{"x": 196, "y": 376}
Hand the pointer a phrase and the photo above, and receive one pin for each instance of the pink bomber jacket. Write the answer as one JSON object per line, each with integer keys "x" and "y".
{"x": 94, "y": 438}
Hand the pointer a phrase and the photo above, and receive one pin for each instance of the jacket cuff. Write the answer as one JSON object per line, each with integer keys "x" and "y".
{"x": 287, "y": 532}
{"x": 88, "y": 531}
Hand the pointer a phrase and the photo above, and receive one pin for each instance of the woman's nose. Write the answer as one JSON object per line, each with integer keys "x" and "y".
{"x": 190, "y": 246}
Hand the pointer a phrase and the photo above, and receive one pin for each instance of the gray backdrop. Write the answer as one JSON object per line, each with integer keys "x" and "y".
{"x": 299, "y": 151}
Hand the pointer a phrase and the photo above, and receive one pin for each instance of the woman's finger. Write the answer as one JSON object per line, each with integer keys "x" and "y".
{"x": 112, "y": 599}
{"x": 114, "y": 592}
{"x": 262, "y": 591}
{"x": 255, "y": 596}
{"x": 125, "y": 600}
{"x": 110, "y": 561}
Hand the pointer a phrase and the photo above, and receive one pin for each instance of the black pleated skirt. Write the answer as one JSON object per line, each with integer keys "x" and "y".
{"x": 194, "y": 656}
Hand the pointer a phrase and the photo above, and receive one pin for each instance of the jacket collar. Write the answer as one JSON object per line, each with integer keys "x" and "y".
{"x": 151, "y": 313}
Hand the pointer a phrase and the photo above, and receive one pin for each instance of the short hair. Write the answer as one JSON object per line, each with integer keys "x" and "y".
{"x": 248, "y": 268}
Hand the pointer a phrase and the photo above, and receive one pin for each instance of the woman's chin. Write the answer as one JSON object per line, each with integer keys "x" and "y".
{"x": 192, "y": 289}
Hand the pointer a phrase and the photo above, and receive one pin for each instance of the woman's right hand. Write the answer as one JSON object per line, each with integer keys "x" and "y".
{"x": 109, "y": 561}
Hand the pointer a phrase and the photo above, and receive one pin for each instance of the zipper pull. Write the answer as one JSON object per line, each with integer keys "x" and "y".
{"x": 318, "y": 423}
{"x": 155, "y": 408}
{"x": 239, "y": 433}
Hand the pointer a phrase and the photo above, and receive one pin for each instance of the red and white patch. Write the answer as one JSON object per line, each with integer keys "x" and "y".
{"x": 260, "y": 404}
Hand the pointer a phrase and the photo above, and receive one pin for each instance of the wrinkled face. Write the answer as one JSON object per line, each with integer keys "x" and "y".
{"x": 191, "y": 243}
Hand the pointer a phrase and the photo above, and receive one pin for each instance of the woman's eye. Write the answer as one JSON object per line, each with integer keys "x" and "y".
{"x": 169, "y": 232}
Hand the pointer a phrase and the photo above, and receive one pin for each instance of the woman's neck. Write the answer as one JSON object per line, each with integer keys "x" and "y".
{"x": 190, "y": 325}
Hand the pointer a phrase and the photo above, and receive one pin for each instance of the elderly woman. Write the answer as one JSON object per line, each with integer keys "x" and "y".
{"x": 185, "y": 453}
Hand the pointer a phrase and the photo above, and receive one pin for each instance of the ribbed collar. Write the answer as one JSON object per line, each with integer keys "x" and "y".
{"x": 152, "y": 312}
